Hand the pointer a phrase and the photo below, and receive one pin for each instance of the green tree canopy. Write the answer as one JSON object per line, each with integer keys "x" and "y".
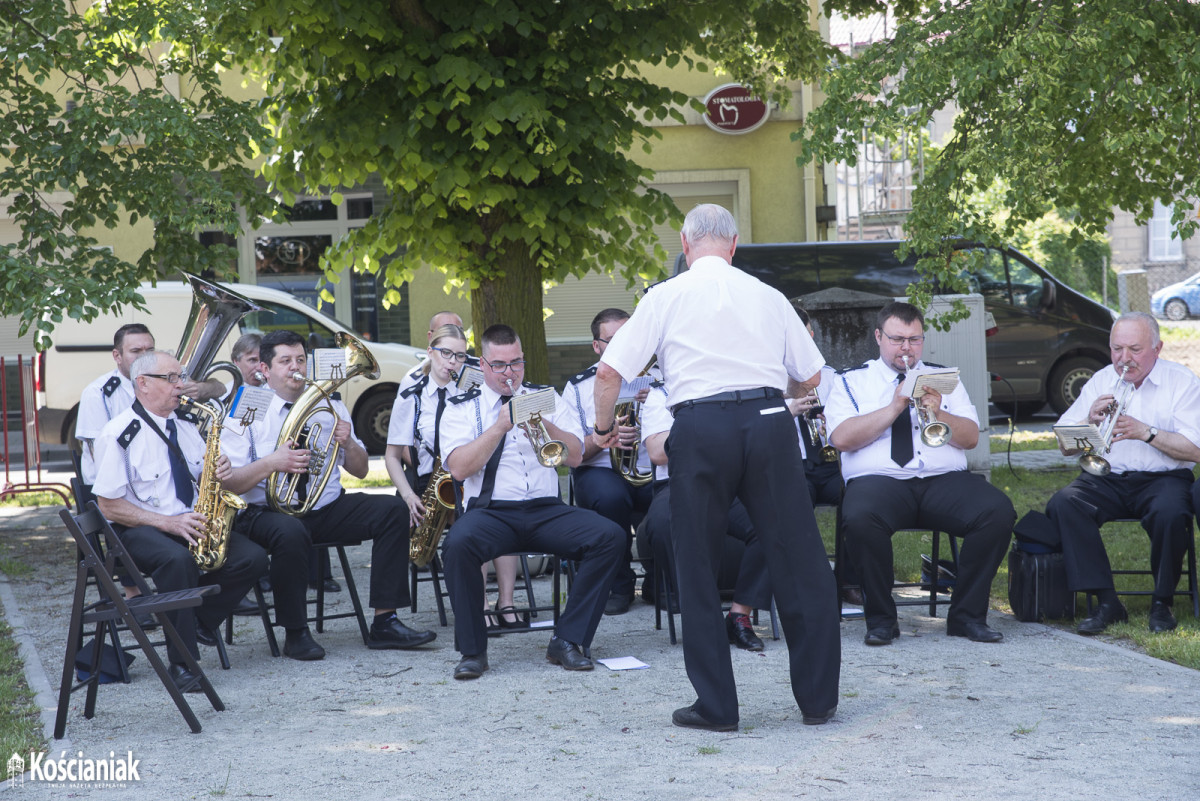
{"x": 111, "y": 113}
{"x": 1076, "y": 105}
{"x": 502, "y": 129}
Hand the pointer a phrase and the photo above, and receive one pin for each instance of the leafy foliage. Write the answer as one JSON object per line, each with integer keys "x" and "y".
{"x": 1082, "y": 106}
{"x": 114, "y": 112}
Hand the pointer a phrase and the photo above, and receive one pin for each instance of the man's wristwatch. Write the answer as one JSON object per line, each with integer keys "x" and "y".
{"x": 606, "y": 431}
{"x": 1153, "y": 434}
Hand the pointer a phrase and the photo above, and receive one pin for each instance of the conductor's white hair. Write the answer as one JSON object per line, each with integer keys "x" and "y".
{"x": 709, "y": 220}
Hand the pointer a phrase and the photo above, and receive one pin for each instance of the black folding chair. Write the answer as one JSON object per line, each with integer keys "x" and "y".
{"x": 111, "y": 608}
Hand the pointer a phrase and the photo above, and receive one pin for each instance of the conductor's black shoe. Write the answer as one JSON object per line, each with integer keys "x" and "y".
{"x": 689, "y": 718}
{"x": 184, "y": 679}
{"x": 205, "y": 635}
{"x": 246, "y": 607}
{"x": 1104, "y": 616}
{"x": 741, "y": 632}
{"x": 389, "y": 632}
{"x": 618, "y": 603}
{"x": 301, "y": 646}
{"x": 471, "y": 667}
{"x": 975, "y": 632}
{"x": 1161, "y": 618}
{"x": 567, "y": 654}
{"x": 882, "y": 635}
{"x": 330, "y": 585}
{"x": 817, "y": 720}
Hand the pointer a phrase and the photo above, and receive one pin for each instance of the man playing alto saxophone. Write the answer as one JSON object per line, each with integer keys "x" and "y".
{"x": 337, "y": 516}
{"x": 1155, "y": 445}
{"x": 147, "y": 459}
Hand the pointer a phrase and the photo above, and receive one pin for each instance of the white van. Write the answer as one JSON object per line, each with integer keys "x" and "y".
{"x": 80, "y": 352}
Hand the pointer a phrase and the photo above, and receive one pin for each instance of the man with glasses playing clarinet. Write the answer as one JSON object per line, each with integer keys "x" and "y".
{"x": 512, "y": 505}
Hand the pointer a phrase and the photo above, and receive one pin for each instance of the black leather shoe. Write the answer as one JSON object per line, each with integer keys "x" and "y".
{"x": 741, "y": 632}
{"x": 882, "y": 635}
{"x": 471, "y": 667}
{"x": 689, "y": 718}
{"x": 184, "y": 679}
{"x": 391, "y": 633}
{"x": 567, "y": 654}
{"x": 246, "y": 607}
{"x": 818, "y": 720}
{"x": 975, "y": 632}
{"x": 330, "y": 586}
{"x": 852, "y": 596}
{"x": 1104, "y": 616}
{"x": 618, "y": 604}
{"x": 301, "y": 646}
{"x": 206, "y": 636}
{"x": 1161, "y": 618}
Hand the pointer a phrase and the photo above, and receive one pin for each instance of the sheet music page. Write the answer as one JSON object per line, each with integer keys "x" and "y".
{"x": 328, "y": 363}
{"x": 938, "y": 378}
{"x": 630, "y": 389}
{"x": 1073, "y": 438}
{"x": 469, "y": 378}
{"x": 522, "y": 407}
{"x": 250, "y": 403}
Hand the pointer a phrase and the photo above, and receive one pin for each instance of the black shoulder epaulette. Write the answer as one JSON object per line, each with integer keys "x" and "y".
{"x": 187, "y": 415}
{"x": 129, "y": 433}
{"x": 531, "y": 385}
{"x": 110, "y": 386}
{"x": 473, "y": 360}
{"x": 852, "y": 369}
{"x": 584, "y": 376}
{"x": 936, "y": 366}
{"x": 466, "y": 396}
{"x": 415, "y": 388}
{"x": 335, "y": 396}
{"x": 656, "y": 283}
{"x": 658, "y": 384}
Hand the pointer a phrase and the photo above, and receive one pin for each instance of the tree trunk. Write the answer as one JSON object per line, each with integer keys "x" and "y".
{"x": 515, "y": 299}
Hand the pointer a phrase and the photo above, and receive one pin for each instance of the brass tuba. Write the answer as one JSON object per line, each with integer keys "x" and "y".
{"x": 215, "y": 311}
{"x": 282, "y": 487}
{"x": 438, "y": 500}
{"x": 219, "y": 506}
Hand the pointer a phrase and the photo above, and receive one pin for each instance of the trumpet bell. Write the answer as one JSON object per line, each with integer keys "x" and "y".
{"x": 551, "y": 454}
{"x": 936, "y": 434}
{"x": 1094, "y": 464}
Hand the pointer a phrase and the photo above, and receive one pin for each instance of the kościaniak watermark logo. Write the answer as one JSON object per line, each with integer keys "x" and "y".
{"x": 107, "y": 772}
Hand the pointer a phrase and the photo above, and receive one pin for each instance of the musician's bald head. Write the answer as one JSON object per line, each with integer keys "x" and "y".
{"x": 440, "y": 319}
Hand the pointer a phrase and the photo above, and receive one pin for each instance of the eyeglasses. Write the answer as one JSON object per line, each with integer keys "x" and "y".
{"x": 602, "y": 339}
{"x": 504, "y": 367}
{"x": 451, "y": 355}
{"x": 917, "y": 340}
{"x": 170, "y": 378}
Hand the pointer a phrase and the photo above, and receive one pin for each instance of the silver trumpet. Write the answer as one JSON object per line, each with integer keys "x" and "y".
{"x": 1091, "y": 461}
{"x": 934, "y": 433}
{"x": 816, "y": 430}
{"x": 550, "y": 452}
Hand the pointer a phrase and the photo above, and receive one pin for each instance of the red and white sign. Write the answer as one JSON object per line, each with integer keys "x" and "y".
{"x": 732, "y": 109}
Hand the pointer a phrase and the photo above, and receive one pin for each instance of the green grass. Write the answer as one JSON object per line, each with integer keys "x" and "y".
{"x": 20, "y": 725}
{"x": 375, "y": 478}
{"x": 1023, "y": 441}
{"x": 33, "y": 499}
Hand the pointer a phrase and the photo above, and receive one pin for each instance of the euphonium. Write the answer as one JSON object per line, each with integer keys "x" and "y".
{"x": 218, "y": 506}
{"x": 438, "y": 500}
{"x": 282, "y": 487}
{"x": 1091, "y": 461}
{"x": 625, "y": 462}
{"x": 934, "y": 433}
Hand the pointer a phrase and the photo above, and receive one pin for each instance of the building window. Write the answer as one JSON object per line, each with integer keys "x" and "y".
{"x": 1165, "y": 244}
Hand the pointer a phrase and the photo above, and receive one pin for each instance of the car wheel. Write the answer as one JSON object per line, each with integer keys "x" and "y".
{"x": 1067, "y": 380}
{"x": 371, "y": 420}
{"x": 1175, "y": 310}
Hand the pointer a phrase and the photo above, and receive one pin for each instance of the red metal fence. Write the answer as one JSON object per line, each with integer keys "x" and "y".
{"x": 28, "y": 437}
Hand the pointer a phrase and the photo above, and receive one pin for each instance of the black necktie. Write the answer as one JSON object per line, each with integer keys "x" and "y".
{"x": 437, "y": 423}
{"x": 902, "y": 438}
{"x": 179, "y": 469}
{"x": 301, "y": 444}
{"x": 489, "y": 472}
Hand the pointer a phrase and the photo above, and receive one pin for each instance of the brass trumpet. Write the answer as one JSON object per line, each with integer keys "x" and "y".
{"x": 816, "y": 430}
{"x": 934, "y": 433}
{"x": 550, "y": 452}
{"x": 1091, "y": 461}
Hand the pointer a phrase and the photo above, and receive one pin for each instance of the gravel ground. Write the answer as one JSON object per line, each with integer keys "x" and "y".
{"x": 1044, "y": 714}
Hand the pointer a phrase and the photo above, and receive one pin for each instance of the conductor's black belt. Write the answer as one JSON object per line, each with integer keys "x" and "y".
{"x": 737, "y": 396}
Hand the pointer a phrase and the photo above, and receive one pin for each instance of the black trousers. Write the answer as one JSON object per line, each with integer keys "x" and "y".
{"x": 170, "y": 564}
{"x": 288, "y": 542}
{"x": 749, "y": 451}
{"x": 544, "y": 525}
{"x": 752, "y": 584}
{"x": 824, "y": 480}
{"x": 605, "y": 492}
{"x": 1159, "y": 500}
{"x": 960, "y": 503}
{"x": 357, "y": 517}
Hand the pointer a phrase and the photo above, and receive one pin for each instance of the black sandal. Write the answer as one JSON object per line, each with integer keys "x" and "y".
{"x": 522, "y": 620}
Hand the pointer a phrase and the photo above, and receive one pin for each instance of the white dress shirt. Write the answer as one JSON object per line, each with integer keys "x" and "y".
{"x": 1168, "y": 399}
{"x": 244, "y": 445}
{"x": 95, "y": 410}
{"x": 519, "y": 476}
{"x": 580, "y": 395}
{"x": 141, "y": 473}
{"x": 401, "y": 430}
{"x": 656, "y": 418}
{"x": 872, "y": 387}
{"x": 715, "y": 329}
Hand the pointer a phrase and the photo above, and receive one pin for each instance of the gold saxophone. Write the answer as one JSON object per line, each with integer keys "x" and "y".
{"x": 438, "y": 500}
{"x": 218, "y": 506}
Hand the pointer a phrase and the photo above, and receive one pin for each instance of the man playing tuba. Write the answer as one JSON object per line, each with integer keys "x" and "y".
{"x": 336, "y": 516}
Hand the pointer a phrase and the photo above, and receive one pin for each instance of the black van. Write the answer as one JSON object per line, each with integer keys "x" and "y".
{"x": 1050, "y": 338}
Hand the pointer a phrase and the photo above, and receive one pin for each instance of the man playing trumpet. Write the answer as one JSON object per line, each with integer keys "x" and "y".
{"x": 1155, "y": 443}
